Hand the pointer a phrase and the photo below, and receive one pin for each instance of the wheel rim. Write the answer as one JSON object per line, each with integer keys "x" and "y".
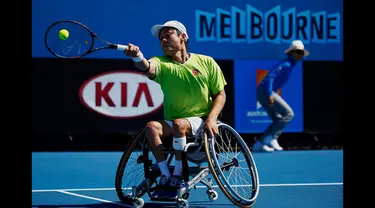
{"x": 133, "y": 173}
{"x": 232, "y": 151}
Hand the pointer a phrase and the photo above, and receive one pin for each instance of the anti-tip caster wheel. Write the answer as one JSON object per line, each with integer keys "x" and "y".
{"x": 182, "y": 203}
{"x": 212, "y": 195}
{"x": 138, "y": 203}
{"x": 185, "y": 195}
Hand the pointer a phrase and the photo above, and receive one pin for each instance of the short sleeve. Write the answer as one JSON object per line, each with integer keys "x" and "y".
{"x": 156, "y": 61}
{"x": 216, "y": 78}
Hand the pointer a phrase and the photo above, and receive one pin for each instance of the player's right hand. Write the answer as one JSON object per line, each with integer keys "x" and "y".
{"x": 132, "y": 51}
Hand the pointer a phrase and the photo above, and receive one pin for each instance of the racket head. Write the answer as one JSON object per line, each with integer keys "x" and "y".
{"x": 79, "y": 42}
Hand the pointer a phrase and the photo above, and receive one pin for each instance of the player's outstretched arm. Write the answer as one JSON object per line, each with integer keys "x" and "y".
{"x": 140, "y": 62}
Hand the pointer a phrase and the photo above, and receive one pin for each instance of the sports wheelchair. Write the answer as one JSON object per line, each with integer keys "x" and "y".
{"x": 226, "y": 155}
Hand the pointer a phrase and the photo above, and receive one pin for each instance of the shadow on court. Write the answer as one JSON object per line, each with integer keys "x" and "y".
{"x": 301, "y": 179}
{"x": 111, "y": 205}
{"x": 103, "y": 205}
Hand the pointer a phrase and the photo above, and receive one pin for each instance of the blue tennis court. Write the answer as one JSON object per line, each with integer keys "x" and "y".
{"x": 289, "y": 179}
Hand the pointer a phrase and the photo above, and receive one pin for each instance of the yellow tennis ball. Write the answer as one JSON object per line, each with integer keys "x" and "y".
{"x": 63, "y": 34}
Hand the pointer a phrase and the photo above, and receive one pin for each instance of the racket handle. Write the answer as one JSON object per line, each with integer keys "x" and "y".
{"x": 121, "y": 47}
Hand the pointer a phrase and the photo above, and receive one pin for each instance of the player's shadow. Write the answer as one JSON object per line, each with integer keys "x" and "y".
{"x": 105, "y": 205}
{"x": 111, "y": 205}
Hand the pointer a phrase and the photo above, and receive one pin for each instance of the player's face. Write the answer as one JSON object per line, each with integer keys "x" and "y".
{"x": 298, "y": 54}
{"x": 170, "y": 41}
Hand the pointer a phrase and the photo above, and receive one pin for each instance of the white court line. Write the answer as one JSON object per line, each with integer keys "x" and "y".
{"x": 215, "y": 186}
{"x": 303, "y": 184}
{"x": 93, "y": 198}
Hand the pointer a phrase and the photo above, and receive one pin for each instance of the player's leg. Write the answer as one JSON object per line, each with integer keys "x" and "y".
{"x": 181, "y": 129}
{"x": 263, "y": 100}
{"x": 284, "y": 115}
{"x": 155, "y": 131}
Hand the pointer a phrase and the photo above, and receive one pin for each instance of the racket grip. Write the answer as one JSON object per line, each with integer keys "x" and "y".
{"x": 121, "y": 47}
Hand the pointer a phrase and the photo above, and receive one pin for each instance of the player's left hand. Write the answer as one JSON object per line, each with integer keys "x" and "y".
{"x": 211, "y": 126}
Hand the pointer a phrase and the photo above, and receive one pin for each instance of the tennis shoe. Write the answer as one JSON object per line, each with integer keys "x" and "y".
{"x": 275, "y": 145}
{"x": 176, "y": 182}
{"x": 164, "y": 191}
{"x": 163, "y": 181}
{"x": 260, "y": 147}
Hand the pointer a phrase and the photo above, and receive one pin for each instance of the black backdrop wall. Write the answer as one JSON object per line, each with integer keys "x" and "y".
{"x": 323, "y": 89}
{"x": 61, "y": 120}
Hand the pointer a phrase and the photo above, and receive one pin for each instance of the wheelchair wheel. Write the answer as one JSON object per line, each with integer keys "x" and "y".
{"x": 134, "y": 170}
{"x": 232, "y": 165}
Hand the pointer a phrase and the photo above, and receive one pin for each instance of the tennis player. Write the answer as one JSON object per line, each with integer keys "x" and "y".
{"x": 194, "y": 95}
{"x": 275, "y": 106}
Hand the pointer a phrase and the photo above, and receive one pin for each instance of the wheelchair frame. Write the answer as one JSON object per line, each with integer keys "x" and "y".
{"x": 198, "y": 173}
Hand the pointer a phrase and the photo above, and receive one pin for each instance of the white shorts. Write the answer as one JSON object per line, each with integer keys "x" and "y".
{"x": 195, "y": 122}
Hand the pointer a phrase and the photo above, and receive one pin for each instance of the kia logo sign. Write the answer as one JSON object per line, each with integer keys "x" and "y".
{"x": 121, "y": 94}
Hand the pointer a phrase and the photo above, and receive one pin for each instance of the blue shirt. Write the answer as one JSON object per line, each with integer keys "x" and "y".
{"x": 278, "y": 76}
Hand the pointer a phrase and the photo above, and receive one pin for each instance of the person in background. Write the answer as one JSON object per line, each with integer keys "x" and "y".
{"x": 275, "y": 106}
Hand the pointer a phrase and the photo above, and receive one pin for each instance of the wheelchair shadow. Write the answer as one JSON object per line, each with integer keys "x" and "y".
{"x": 203, "y": 204}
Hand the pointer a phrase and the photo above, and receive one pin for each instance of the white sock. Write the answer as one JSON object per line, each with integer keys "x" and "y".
{"x": 164, "y": 168}
{"x": 177, "y": 168}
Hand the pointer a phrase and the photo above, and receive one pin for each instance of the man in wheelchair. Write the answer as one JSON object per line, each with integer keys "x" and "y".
{"x": 194, "y": 96}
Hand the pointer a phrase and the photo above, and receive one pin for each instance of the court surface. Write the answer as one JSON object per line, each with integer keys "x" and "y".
{"x": 289, "y": 179}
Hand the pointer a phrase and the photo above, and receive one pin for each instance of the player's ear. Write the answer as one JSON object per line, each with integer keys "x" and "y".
{"x": 184, "y": 37}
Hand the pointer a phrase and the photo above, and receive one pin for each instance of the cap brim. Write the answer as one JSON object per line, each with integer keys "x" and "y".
{"x": 156, "y": 29}
{"x": 288, "y": 50}
{"x": 306, "y": 52}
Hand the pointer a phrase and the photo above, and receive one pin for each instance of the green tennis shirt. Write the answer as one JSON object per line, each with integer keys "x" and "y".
{"x": 188, "y": 87}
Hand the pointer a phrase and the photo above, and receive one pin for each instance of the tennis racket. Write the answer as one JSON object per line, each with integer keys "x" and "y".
{"x": 72, "y": 39}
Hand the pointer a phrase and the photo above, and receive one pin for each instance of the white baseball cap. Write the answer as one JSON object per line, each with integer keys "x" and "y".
{"x": 297, "y": 45}
{"x": 173, "y": 23}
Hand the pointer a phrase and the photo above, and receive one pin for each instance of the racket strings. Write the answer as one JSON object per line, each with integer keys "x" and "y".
{"x": 71, "y": 48}
{"x": 78, "y": 42}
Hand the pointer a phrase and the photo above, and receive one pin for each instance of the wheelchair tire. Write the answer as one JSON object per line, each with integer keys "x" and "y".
{"x": 123, "y": 164}
{"x": 217, "y": 170}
